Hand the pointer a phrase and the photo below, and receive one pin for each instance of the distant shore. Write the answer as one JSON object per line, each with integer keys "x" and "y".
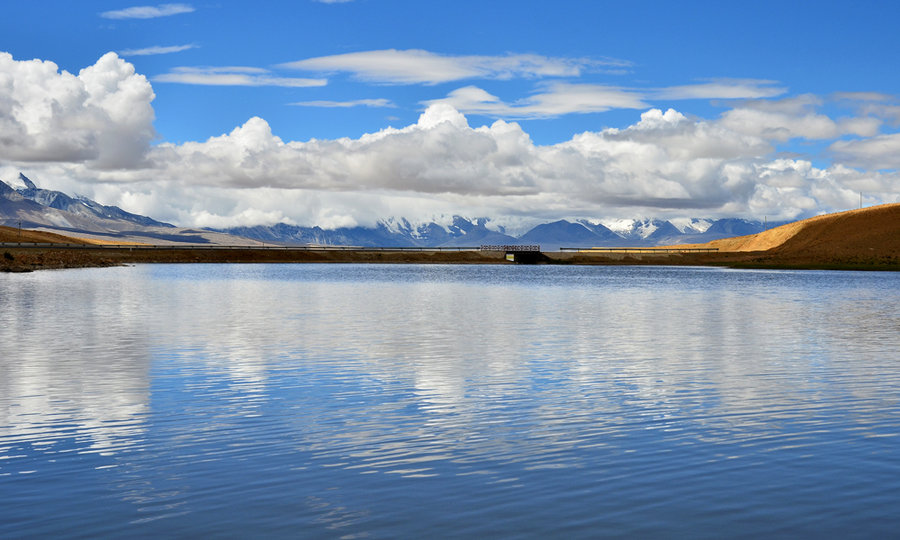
{"x": 863, "y": 239}
{"x": 25, "y": 259}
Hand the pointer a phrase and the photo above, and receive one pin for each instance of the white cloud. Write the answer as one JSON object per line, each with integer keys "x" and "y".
{"x": 552, "y": 100}
{"x": 147, "y": 51}
{"x": 392, "y": 66}
{"x": 863, "y": 96}
{"x": 881, "y": 152}
{"x": 785, "y": 119}
{"x": 557, "y": 99}
{"x": 380, "y": 102}
{"x": 91, "y": 134}
{"x": 723, "y": 89}
{"x": 102, "y": 115}
{"x": 148, "y": 12}
{"x": 886, "y": 111}
{"x": 666, "y": 164}
{"x": 233, "y": 76}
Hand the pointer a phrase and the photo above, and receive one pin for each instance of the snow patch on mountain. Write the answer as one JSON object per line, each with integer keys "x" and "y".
{"x": 645, "y": 228}
{"x": 691, "y": 225}
{"x": 619, "y": 226}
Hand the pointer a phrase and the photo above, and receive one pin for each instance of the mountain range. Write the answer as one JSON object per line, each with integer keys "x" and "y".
{"x": 29, "y": 206}
{"x": 464, "y": 232}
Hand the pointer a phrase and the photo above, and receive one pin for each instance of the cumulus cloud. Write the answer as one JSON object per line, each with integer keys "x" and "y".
{"x": 90, "y": 133}
{"x": 392, "y": 66}
{"x": 147, "y": 51}
{"x": 233, "y": 76}
{"x": 102, "y": 115}
{"x": 148, "y": 12}
{"x": 665, "y": 164}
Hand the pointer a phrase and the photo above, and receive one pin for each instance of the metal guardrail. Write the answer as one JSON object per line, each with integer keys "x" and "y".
{"x": 639, "y": 250}
{"x": 511, "y": 247}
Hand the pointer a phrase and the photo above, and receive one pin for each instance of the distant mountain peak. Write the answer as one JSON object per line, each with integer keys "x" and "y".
{"x": 81, "y": 212}
{"x": 28, "y": 183}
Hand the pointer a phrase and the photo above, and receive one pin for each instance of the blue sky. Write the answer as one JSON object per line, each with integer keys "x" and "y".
{"x": 341, "y": 113}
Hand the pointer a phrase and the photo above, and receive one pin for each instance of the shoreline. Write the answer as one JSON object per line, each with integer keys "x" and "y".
{"x": 27, "y": 259}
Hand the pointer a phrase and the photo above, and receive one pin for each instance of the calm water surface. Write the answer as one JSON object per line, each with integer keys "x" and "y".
{"x": 450, "y": 401}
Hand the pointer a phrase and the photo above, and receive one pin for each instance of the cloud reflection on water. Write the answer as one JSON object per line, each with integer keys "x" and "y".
{"x": 75, "y": 362}
{"x": 499, "y": 373}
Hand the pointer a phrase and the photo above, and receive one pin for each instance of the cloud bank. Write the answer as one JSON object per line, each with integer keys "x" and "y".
{"x": 92, "y": 133}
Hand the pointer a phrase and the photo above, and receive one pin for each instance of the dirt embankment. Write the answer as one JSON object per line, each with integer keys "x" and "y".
{"x": 17, "y": 259}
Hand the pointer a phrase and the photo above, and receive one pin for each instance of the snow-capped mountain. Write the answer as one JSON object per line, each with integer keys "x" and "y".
{"x": 460, "y": 232}
{"x": 639, "y": 230}
{"x": 463, "y": 232}
{"x": 31, "y": 207}
{"x": 81, "y": 205}
{"x": 54, "y": 210}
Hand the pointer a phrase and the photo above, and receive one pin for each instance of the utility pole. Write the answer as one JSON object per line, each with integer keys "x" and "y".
{"x": 20, "y": 230}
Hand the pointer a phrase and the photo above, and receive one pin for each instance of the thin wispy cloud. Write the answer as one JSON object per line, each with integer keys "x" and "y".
{"x": 723, "y": 89}
{"x": 392, "y": 66}
{"x": 148, "y": 12}
{"x": 881, "y": 152}
{"x": 863, "y": 96}
{"x": 148, "y": 51}
{"x": 553, "y": 100}
{"x": 381, "y": 102}
{"x": 233, "y": 76}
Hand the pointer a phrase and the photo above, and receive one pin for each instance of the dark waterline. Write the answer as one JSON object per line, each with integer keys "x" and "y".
{"x": 405, "y": 401}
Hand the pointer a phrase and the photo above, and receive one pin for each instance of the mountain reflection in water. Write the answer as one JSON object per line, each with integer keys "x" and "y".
{"x": 328, "y": 400}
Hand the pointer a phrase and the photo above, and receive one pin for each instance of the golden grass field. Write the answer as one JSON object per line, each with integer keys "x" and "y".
{"x": 876, "y": 228}
{"x": 867, "y": 238}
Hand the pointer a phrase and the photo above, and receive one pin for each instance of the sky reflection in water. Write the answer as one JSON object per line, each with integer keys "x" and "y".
{"x": 405, "y": 400}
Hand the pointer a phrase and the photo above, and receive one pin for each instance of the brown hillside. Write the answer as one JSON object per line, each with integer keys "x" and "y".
{"x": 873, "y": 231}
{"x": 11, "y": 234}
{"x": 869, "y": 232}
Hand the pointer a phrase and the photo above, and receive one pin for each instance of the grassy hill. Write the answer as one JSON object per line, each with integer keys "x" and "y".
{"x": 874, "y": 230}
{"x": 11, "y": 234}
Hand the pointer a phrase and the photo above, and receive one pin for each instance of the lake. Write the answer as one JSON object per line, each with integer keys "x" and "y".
{"x": 406, "y": 401}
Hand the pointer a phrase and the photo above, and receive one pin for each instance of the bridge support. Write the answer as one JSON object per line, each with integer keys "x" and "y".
{"x": 526, "y": 257}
